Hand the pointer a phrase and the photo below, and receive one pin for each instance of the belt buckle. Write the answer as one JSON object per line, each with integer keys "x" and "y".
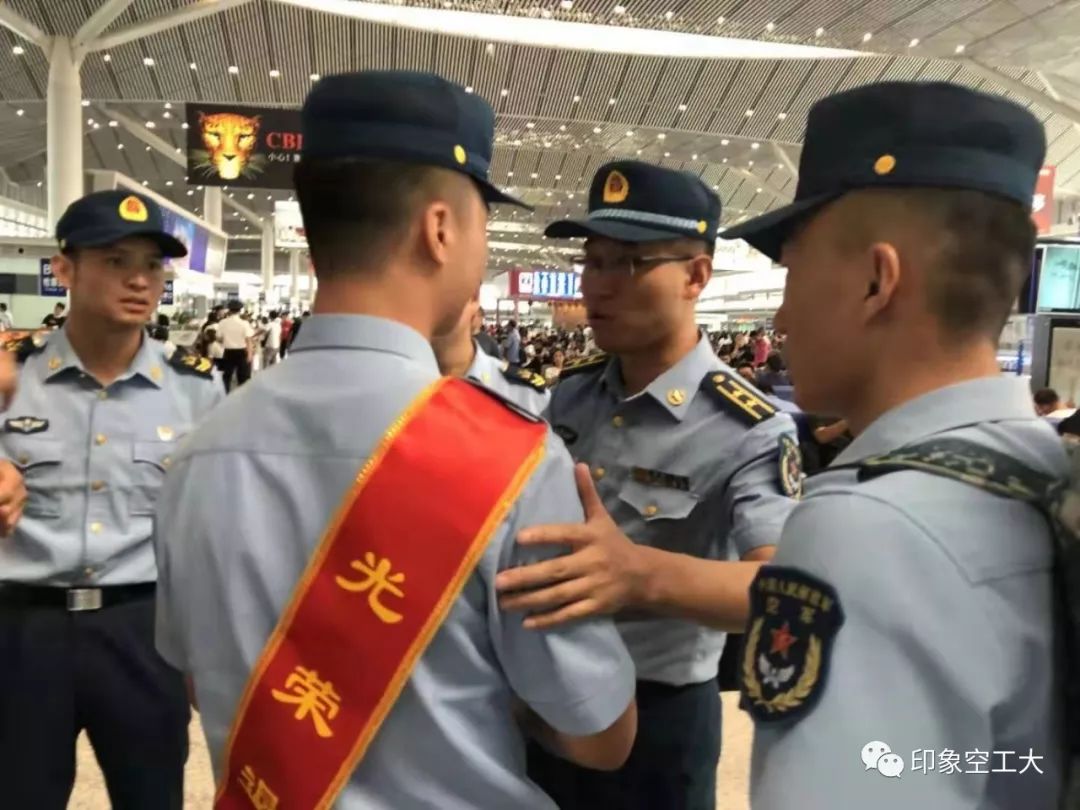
{"x": 82, "y": 599}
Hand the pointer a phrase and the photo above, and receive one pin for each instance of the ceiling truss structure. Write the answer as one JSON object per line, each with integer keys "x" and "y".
{"x": 560, "y": 114}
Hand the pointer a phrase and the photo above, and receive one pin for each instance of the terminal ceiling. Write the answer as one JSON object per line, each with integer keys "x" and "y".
{"x": 560, "y": 112}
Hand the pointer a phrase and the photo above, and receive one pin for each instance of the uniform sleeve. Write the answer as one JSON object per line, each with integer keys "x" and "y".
{"x": 579, "y": 678}
{"x": 912, "y": 640}
{"x": 167, "y": 634}
{"x": 758, "y": 506}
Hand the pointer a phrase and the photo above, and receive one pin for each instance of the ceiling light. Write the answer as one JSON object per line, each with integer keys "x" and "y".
{"x": 669, "y": 15}
{"x": 755, "y": 145}
{"x": 770, "y": 27}
{"x": 269, "y": 197}
{"x": 178, "y": 150}
{"x": 639, "y": 151}
{"x": 89, "y": 122}
{"x": 168, "y": 182}
{"x": 274, "y": 73}
{"x": 667, "y": 154}
{"x": 468, "y": 89}
{"x": 534, "y": 175}
{"x": 18, "y": 51}
{"x": 20, "y": 112}
{"x": 661, "y": 136}
{"x": 759, "y": 191}
{"x": 549, "y": 193}
{"x": 820, "y": 32}
{"x": 867, "y": 37}
{"x": 529, "y": 125}
{"x": 781, "y": 116}
{"x": 148, "y": 61}
{"x": 577, "y": 145}
{"x": 682, "y": 108}
{"x": 914, "y": 43}
{"x": 577, "y": 99}
{"x": 233, "y": 69}
{"x": 193, "y": 66}
{"x": 191, "y": 192}
{"x": 184, "y": 125}
{"x": 619, "y": 9}
{"x": 750, "y": 163}
{"x": 724, "y": 160}
{"x": 119, "y": 146}
{"x": 566, "y": 5}
{"x": 693, "y": 157}
{"x": 251, "y": 196}
{"x": 558, "y": 177}
{"x": 148, "y": 149}
{"x": 166, "y": 114}
{"x": 562, "y": 127}
{"x": 106, "y": 58}
{"x": 39, "y": 184}
{"x": 85, "y": 103}
{"x": 612, "y": 100}
{"x": 629, "y": 133}
{"x": 959, "y": 48}
{"x": 145, "y": 182}
{"x": 547, "y": 145}
{"x": 724, "y": 142}
{"x": 596, "y": 130}
{"x": 168, "y": 105}
{"x": 150, "y": 125}
{"x": 720, "y": 20}
{"x": 509, "y": 174}
{"x": 749, "y": 113}
{"x": 504, "y": 92}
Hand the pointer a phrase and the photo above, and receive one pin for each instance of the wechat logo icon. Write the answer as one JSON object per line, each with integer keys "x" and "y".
{"x": 878, "y": 756}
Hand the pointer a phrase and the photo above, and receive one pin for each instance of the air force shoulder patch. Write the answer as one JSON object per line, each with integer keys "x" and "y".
{"x": 794, "y": 618}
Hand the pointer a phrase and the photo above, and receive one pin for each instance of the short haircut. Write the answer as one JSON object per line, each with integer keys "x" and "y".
{"x": 980, "y": 249}
{"x": 235, "y": 306}
{"x": 775, "y": 362}
{"x": 1046, "y": 396}
{"x": 355, "y": 211}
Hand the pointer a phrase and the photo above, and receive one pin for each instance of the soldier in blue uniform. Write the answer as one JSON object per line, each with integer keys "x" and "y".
{"x": 95, "y": 423}
{"x": 690, "y": 476}
{"x": 393, "y": 188}
{"x": 459, "y": 354}
{"x": 901, "y": 647}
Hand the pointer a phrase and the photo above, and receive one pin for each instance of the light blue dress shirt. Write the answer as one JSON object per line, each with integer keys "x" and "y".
{"x": 947, "y": 642}
{"x": 491, "y": 372}
{"x": 720, "y": 500}
{"x": 267, "y": 472}
{"x": 93, "y": 470}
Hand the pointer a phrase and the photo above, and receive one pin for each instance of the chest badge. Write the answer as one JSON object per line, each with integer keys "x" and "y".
{"x": 794, "y": 618}
{"x": 165, "y": 433}
{"x": 26, "y": 424}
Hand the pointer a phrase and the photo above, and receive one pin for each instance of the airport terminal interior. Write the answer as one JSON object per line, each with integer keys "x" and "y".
{"x": 195, "y": 105}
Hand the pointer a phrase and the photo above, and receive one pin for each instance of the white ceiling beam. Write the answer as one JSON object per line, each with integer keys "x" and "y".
{"x": 785, "y": 158}
{"x": 139, "y": 130}
{"x": 1024, "y": 91}
{"x": 244, "y": 211}
{"x": 1054, "y": 94}
{"x": 98, "y": 21}
{"x": 18, "y": 24}
{"x": 764, "y": 185}
{"x": 163, "y": 22}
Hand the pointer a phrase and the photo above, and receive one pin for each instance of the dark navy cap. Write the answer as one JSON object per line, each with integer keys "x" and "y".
{"x": 631, "y": 201}
{"x": 402, "y": 115}
{"x": 895, "y": 134}
{"x": 105, "y": 217}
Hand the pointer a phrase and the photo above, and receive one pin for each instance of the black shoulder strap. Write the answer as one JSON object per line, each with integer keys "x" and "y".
{"x": 522, "y": 376}
{"x": 738, "y": 399}
{"x": 595, "y": 363}
{"x": 969, "y": 463}
{"x": 25, "y": 347}
{"x": 188, "y": 362}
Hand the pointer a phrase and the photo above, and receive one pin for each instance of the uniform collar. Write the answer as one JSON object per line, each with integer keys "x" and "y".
{"x": 365, "y": 332}
{"x": 60, "y": 358}
{"x": 676, "y": 388}
{"x": 987, "y": 399}
{"x": 483, "y": 365}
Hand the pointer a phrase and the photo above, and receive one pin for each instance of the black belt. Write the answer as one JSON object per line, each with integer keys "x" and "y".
{"x": 74, "y": 600}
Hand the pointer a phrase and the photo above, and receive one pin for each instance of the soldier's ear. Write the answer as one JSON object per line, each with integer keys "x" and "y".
{"x": 63, "y": 268}
{"x": 699, "y": 271}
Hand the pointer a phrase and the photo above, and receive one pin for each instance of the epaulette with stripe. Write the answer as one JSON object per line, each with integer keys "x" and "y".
{"x": 522, "y": 376}
{"x": 594, "y": 363}
{"x": 737, "y": 398}
{"x": 26, "y": 346}
{"x": 188, "y": 362}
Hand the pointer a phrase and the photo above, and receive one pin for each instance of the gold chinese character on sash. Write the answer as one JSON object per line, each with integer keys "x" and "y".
{"x": 262, "y": 798}
{"x": 377, "y": 579}
{"x": 313, "y": 697}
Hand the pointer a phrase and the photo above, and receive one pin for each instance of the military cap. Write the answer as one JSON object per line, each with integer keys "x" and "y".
{"x": 106, "y": 217}
{"x": 913, "y": 134}
{"x": 631, "y": 201}
{"x": 402, "y": 115}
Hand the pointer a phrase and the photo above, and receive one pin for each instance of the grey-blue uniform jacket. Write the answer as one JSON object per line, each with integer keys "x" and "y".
{"x": 946, "y": 650}
{"x": 265, "y": 475}
{"x": 93, "y": 459}
{"x": 692, "y": 465}
{"x": 518, "y": 385}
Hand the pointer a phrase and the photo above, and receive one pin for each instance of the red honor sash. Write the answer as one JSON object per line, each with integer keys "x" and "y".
{"x": 392, "y": 561}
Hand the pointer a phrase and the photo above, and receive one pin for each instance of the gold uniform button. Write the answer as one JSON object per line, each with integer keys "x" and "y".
{"x": 95, "y": 527}
{"x": 617, "y": 421}
{"x": 99, "y": 439}
{"x": 102, "y": 394}
{"x": 651, "y": 510}
{"x": 97, "y": 486}
{"x": 88, "y": 572}
{"x": 598, "y": 473}
{"x": 23, "y": 460}
{"x": 166, "y": 462}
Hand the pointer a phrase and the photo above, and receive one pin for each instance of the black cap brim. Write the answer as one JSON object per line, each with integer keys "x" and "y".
{"x": 768, "y": 232}
{"x": 493, "y": 196}
{"x": 618, "y": 230}
{"x": 171, "y": 247}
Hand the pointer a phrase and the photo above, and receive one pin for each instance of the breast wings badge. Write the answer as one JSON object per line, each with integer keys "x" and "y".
{"x": 794, "y": 618}
{"x": 26, "y": 424}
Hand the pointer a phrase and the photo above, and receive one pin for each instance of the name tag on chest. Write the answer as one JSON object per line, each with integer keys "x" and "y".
{"x": 656, "y": 478}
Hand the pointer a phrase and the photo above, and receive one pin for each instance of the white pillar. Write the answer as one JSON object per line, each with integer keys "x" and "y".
{"x": 212, "y": 205}
{"x": 267, "y": 262}
{"x": 64, "y": 146}
{"x": 294, "y": 275}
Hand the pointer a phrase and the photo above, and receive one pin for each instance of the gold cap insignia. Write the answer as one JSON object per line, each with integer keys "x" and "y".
{"x": 676, "y": 396}
{"x": 459, "y": 154}
{"x": 702, "y": 226}
{"x": 616, "y": 189}
{"x": 133, "y": 209}
{"x": 884, "y": 164}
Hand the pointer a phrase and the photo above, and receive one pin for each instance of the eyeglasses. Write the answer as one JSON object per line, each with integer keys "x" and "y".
{"x": 624, "y": 265}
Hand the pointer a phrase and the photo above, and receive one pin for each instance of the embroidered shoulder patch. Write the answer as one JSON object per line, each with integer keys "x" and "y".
{"x": 521, "y": 376}
{"x": 791, "y": 470}
{"x": 594, "y": 363}
{"x": 26, "y": 424}
{"x": 188, "y": 362}
{"x": 737, "y": 398}
{"x": 794, "y": 618}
